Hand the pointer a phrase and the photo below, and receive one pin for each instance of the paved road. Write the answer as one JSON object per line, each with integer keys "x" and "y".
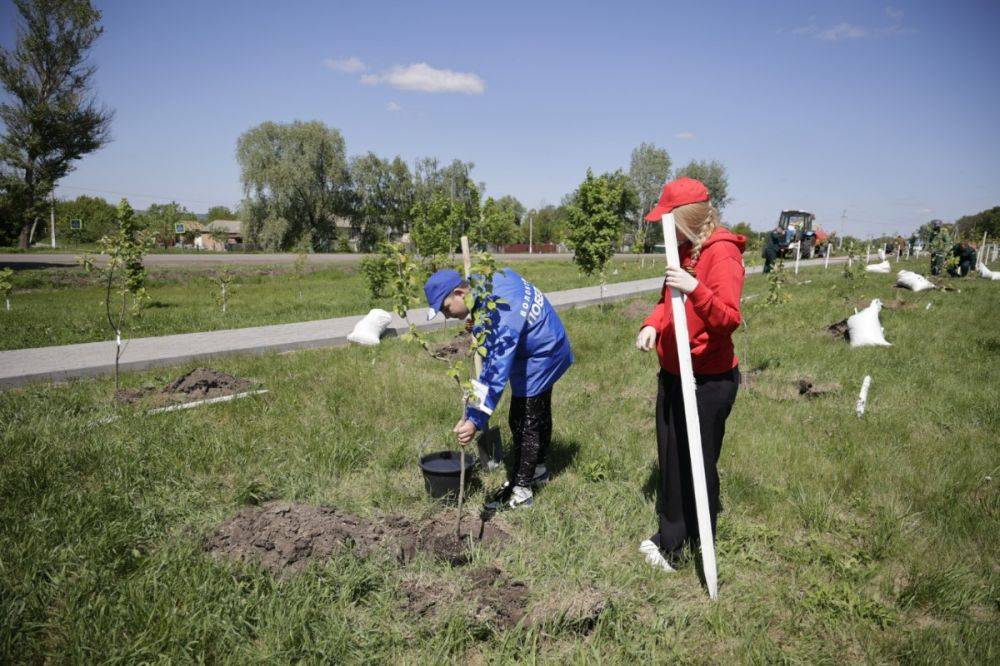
{"x": 23, "y": 366}
{"x": 54, "y": 260}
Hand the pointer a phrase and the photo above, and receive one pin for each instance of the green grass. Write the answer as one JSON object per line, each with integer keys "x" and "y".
{"x": 65, "y": 305}
{"x": 844, "y": 538}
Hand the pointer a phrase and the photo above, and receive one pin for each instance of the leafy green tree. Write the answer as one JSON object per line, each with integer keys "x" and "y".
{"x": 510, "y": 203}
{"x": 160, "y": 221}
{"x": 649, "y": 169}
{"x": 497, "y": 226}
{"x": 596, "y": 218}
{"x": 6, "y": 285}
{"x": 296, "y": 181}
{"x": 124, "y": 275}
{"x": 98, "y": 218}
{"x": 974, "y": 226}
{"x": 432, "y": 225}
{"x": 219, "y": 213}
{"x": 383, "y": 197}
{"x": 550, "y": 224}
{"x": 713, "y": 176}
{"x": 50, "y": 117}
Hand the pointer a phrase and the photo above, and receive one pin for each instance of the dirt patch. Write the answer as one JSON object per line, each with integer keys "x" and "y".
{"x": 894, "y": 304}
{"x": 284, "y": 537}
{"x": 486, "y": 595}
{"x": 199, "y": 384}
{"x": 457, "y": 347}
{"x": 637, "y": 309}
{"x": 791, "y": 389}
{"x": 839, "y": 330}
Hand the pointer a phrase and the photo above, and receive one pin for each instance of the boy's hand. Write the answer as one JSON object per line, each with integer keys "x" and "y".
{"x": 466, "y": 431}
{"x": 646, "y": 339}
{"x": 680, "y": 279}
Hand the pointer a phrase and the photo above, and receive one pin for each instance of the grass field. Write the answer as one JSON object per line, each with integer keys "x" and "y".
{"x": 844, "y": 538}
{"x": 62, "y": 306}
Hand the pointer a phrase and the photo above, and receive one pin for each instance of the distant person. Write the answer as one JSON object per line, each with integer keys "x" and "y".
{"x": 772, "y": 247}
{"x": 790, "y": 234}
{"x": 527, "y": 345}
{"x": 963, "y": 259}
{"x": 938, "y": 242}
{"x": 711, "y": 275}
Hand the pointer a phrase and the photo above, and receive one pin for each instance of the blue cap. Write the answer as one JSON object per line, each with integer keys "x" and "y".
{"x": 438, "y": 287}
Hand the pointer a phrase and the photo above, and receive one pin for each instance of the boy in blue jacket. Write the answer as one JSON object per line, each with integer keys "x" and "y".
{"x": 527, "y": 346}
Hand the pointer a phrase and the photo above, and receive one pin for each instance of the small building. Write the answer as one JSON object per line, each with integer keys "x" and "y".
{"x": 219, "y": 235}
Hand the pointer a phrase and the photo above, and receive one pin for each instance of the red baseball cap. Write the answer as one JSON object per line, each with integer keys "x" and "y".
{"x": 680, "y": 192}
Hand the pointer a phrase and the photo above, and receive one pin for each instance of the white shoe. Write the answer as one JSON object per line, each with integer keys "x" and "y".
{"x": 654, "y": 557}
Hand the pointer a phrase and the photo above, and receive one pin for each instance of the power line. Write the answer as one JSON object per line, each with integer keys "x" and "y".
{"x": 135, "y": 194}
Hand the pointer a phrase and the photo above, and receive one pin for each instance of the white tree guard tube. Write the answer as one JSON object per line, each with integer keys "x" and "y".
{"x": 826, "y": 263}
{"x": 859, "y": 408}
{"x": 691, "y": 415}
{"x": 798, "y": 254}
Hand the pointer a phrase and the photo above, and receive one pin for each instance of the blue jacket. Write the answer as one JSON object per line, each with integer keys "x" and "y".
{"x": 527, "y": 346}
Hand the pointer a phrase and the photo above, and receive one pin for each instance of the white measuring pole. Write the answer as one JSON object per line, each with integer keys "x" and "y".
{"x": 691, "y": 415}
{"x": 859, "y": 408}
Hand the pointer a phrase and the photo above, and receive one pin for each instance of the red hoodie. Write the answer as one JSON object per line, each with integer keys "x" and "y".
{"x": 713, "y": 308}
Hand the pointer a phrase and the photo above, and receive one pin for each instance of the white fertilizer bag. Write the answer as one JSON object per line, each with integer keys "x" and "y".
{"x": 913, "y": 281}
{"x": 369, "y": 330}
{"x": 865, "y": 329}
{"x": 984, "y": 272}
{"x": 883, "y": 267}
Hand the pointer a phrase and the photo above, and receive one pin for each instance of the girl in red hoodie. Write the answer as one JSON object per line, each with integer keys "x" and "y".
{"x": 711, "y": 277}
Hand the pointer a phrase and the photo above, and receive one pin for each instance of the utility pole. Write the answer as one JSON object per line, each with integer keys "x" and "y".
{"x": 843, "y": 228}
{"x": 531, "y": 232}
{"x": 53, "y": 219}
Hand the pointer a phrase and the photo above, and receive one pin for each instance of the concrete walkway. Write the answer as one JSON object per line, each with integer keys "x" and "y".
{"x": 23, "y": 366}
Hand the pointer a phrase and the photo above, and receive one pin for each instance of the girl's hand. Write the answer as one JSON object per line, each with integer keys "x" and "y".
{"x": 646, "y": 339}
{"x": 680, "y": 279}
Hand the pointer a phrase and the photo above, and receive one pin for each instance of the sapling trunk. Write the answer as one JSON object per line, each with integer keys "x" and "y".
{"x": 7, "y": 301}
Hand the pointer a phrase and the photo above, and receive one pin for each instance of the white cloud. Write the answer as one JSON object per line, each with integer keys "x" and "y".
{"x": 895, "y": 13}
{"x": 924, "y": 210}
{"x": 843, "y": 31}
{"x": 393, "y": 107}
{"x": 351, "y": 65}
{"x": 424, "y": 78}
{"x": 686, "y": 136}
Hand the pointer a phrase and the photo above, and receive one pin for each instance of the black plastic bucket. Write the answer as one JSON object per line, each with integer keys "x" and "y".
{"x": 442, "y": 472}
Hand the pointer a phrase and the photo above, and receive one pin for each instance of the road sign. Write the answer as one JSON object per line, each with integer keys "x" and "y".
{"x": 179, "y": 228}
{"x": 76, "y": 225}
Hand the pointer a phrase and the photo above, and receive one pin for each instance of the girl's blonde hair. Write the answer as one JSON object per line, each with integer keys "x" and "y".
{"x": 697, "y": 221}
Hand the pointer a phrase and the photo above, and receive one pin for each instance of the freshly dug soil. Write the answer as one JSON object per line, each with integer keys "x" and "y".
{"x": 791, "y": 389}
{"x": 199, "y": 384}
{"x": 839, "y": 330}
{"x": 284, "y": 537}
{"x": 488, "y": 596}
{"x": 457, "y": 347}
{"x": 894, "y": 304}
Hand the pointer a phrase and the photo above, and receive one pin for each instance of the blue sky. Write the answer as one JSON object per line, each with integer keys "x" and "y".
{"x": 887, "y": 111}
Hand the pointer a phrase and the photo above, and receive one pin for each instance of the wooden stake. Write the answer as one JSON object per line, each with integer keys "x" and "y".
{"x": 691, "y": 415}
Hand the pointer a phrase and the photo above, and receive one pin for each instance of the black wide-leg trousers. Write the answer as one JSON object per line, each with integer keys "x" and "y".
{"x": 531, "y": 428}
{"x": 678, "y": 516}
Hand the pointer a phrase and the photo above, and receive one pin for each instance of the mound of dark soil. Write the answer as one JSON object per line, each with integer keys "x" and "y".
{"x": 457, "y": 347}
{"x": 284, "y": 537}
{"x": 199, "y": 384}
{"x": 839, "y": 330}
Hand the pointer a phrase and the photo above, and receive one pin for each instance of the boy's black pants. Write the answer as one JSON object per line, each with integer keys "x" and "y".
{"x": 676, "y": 506}
{"x": 531, "y": 427}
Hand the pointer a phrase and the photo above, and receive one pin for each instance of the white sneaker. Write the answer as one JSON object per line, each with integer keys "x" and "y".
{"x": 520, "y": 496}
{"x": 654, "y": 557}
